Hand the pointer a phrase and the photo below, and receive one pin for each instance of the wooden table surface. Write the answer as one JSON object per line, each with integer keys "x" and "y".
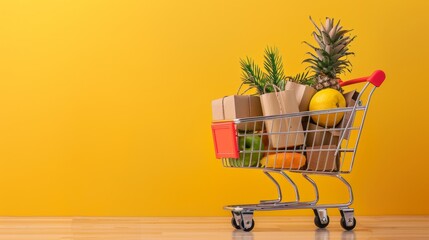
{"x": 219, "y": 228}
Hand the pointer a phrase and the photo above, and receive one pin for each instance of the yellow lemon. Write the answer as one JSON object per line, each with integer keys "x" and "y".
{"x": 325, "y": 99}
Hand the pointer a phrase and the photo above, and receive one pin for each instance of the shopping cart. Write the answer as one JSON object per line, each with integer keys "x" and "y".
{"x": 326, "y": 151}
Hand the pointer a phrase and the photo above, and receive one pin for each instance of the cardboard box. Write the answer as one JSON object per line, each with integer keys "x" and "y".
{"x": 322, "y": 160}
{"x": 238, "y": 106}
{"x": 317, "y": 136}
{"x": 283, "y": 131}
{"x": 350, "y": 102}
{"x": 303, "y": 94}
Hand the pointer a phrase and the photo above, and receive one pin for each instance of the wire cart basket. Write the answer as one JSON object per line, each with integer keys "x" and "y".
{"x": 326, "y": 151}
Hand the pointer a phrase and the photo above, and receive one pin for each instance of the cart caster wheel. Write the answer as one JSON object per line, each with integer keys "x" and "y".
{"x": 249, "y": 228}
{"x": 321, "y": 218}
{"x": 319, "y": 223}
{"x": 234, "y": 224}
{"x": 344, "y": 225}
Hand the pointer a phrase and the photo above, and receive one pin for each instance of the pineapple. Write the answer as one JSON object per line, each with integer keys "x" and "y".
{"x": 330, "y": 58}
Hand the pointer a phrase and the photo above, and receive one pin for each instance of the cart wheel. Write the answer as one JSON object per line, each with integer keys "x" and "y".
{"x": 319, "y": 223}
{"x": 249, "y": 228}
{"x": 348, "y": 228}
{"x": 234, "y": 224}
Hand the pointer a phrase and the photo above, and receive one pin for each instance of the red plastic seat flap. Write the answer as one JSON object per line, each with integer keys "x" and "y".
{"x": 225, "y": 140}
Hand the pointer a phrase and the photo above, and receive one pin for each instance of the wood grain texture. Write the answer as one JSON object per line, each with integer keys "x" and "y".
{"x": 89, "y": 228}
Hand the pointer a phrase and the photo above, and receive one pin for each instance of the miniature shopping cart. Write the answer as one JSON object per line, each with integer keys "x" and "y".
{"x": 313, "y": 148}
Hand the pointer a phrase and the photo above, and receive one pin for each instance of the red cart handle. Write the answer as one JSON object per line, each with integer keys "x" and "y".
{"x": 376, "y": 79}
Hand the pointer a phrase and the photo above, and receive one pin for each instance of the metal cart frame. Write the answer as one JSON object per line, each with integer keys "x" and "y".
{"x": 334, "y": 159}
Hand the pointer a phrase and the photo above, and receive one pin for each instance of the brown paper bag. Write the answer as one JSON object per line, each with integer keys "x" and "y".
{"x": 322, "y": 160}
{"x": 303, "y": 94}
{"x": 238, "y": 106}
{"x": 282, "y": 102}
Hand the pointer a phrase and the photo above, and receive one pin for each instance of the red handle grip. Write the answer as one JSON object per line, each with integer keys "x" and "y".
{"x": 376, "y": 79}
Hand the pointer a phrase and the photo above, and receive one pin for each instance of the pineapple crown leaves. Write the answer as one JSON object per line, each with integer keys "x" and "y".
{"x": 332, "y": 47}
{"x": 255, "y": 78}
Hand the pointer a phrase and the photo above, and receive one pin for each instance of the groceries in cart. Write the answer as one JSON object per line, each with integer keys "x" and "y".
{"x": 305, "y": 124}
{"x": 279, "y": 126}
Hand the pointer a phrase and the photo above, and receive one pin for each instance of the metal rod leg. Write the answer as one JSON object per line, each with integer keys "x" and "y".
{"x": 279, "y": 191}
{"x": 291, "y": 183}
{"x": 333, "y": 205}
{"x": 316, "y": 190}
{"x": 349, "y": 188}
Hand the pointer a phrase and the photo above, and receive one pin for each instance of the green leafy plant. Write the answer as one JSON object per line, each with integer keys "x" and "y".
{"x": 263, "y": 82}
{"x": 273, "y": 65}
{"x": 252, "y": 76}
{"x": 302, "y": 78}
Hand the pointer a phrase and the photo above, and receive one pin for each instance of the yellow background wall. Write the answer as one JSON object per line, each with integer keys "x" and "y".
{"x": 105, "y": 106}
